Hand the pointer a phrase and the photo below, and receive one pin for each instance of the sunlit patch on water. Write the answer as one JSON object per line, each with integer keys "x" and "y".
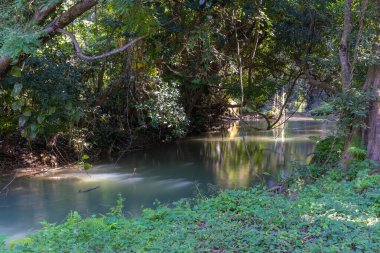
{"x": 133, "y": 179}
{"x": 186, "y": 164}
{"x": 275, "y": 138}
{"x": 105, "y": 177}
{"x": 91, "y": 176}
{"x": 173, "y": 183}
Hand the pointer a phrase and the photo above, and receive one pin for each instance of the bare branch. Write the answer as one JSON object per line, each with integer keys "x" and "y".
{"x": 285, "y": 103}
{"x": 94, "y": 58}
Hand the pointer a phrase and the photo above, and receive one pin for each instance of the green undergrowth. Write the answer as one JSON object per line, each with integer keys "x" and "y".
{"x": 331, "y": 214}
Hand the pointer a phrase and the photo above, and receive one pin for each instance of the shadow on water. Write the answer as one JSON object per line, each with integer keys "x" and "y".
{"x": 166, "y": 172}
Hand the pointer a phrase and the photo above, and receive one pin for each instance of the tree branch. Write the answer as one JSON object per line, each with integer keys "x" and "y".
{"x": 42, "y": 13}
{"x": 65, "y": 19}
{"x": 319, "y": 84}
{"x": 285, "y": 103}
{"x": 94, "y": 58}
{"x": 70, "y": 15}
{"x": 314, "y": 82}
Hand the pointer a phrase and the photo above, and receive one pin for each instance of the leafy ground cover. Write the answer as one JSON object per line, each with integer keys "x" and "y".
{"x": 331, "y": 214}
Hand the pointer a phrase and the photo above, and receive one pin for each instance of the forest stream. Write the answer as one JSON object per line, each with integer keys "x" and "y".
{"x": 239, "y": 157}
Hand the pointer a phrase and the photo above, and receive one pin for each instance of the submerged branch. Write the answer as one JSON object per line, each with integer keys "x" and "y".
{"x": 89, "y": 189}
{"x": 5, "y": 188}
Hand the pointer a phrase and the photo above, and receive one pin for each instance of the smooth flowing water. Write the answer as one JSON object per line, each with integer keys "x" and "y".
{"x": 237, "y": 158}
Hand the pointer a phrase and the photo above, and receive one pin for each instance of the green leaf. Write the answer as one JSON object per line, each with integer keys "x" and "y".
{"x": 40, "y": 119}
{"x": 16, "y": 89}
{"x": 85, "y": 157}
{"x": 17, "y": 105}
{"x": 87, "y": 166}
{"x": 27, "y": 113}
{"x": 16, "y": 71}
{"x": 77, "y": 115}
{"x": 51, "y": 110}
{"x": 33, "y": 127}
{"x": 69, "y": 106}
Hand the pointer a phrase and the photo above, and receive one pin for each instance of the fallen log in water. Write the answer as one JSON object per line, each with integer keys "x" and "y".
{"x": 276, "y": 188}
{"x": 89, "y": 189}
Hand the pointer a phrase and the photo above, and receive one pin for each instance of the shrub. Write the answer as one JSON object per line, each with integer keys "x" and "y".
{"x": 328, "y": 151}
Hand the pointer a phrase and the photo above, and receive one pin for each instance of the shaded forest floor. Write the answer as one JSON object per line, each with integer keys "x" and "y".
{"x": 331, "y": 214}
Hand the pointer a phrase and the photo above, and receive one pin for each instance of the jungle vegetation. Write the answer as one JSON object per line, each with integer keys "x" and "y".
{"x": 82, "y": 80}
{"x": 105, "y": 77}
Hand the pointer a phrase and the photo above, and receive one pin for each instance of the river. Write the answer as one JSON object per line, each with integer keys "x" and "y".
{"x": 239, "y": 157}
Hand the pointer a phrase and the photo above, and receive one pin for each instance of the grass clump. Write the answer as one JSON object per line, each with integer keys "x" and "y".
{"x": 327, "y": 215}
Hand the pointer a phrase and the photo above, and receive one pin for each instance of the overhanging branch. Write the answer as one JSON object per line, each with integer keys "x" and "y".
{"x": 79, "y": 52}
{"x": 60, "y": 22}
{"x": 115, "y": 51}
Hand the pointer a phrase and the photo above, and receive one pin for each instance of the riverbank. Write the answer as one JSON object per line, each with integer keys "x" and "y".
{"x": 331, "y": 214}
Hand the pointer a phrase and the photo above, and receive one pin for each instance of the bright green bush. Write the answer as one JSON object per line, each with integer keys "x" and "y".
{"x": 164, "y": 110}
{"x": 328, "y": 151}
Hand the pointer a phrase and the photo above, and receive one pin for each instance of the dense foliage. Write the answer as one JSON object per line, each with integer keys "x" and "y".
{"x": 264, "y": 57}
{"x": 333, "y": 214}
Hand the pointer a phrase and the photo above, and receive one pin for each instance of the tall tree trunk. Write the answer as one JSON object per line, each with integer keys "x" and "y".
{"x": 256, "y": 36}
{"x": 346, "y": 72}
{"x": 344, "y": 44}
{"x": 373, "y": 83}
{"x": 240, "y": 64}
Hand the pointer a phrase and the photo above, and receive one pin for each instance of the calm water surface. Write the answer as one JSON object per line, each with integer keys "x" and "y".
{"x": 164, "y": 172}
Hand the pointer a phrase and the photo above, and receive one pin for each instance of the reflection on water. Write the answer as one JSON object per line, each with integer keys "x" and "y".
{"x": 239, "y": 157}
